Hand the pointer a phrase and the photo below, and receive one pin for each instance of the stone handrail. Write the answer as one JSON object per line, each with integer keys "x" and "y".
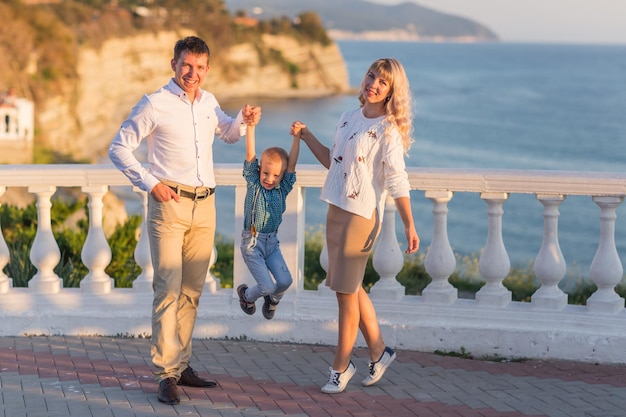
{"x": 490, "y": 324}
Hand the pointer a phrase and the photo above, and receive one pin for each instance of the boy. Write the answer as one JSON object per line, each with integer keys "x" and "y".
{"x": 268, "y": 185}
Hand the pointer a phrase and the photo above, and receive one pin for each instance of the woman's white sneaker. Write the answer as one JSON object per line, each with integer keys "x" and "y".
{"x": 378, "y": 368}
{"x": 337, "y": 381}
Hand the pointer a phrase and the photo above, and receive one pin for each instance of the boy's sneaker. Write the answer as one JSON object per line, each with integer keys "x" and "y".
{"x": 248, "y": 308}
{"x": 269, "y": 307}
{"x": 337, "y": 381}
{"x": 378, "y": 368}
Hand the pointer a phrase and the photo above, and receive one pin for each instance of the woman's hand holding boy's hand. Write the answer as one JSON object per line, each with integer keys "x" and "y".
{"x": 297, "y": 129}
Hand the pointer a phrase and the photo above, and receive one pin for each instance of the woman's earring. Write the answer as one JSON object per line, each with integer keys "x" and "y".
{"x": 387, "y": 99}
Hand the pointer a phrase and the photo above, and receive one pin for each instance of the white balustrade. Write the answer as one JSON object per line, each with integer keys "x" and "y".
{"x": 45, "y": 253}
{"x": 388, "y": 259}
{"x": 212, "y": 283}
{"x": 494, "y": 264}
{"x": 549, "y": 264}
{"x": 606, "y": 269}
{"x": 143, "y": 257}
{"x": 322, "y": 289}
{"x": 547, "y": 327}
{"x": 440, "y": 261}
{"x": 96, "y": 253}
{"x": 5, "y": 256}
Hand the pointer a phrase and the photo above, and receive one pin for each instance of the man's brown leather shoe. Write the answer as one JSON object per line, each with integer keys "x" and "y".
{"x": 190, "y": 378}
{"x": 168, "y": 391}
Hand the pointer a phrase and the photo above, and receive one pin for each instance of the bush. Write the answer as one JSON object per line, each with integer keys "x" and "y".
{"x": 223, "y": 267}
{"x": 314, "y": 274}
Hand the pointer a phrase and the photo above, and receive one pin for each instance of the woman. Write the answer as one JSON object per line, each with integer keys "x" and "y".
{"x": 365, "y": 163}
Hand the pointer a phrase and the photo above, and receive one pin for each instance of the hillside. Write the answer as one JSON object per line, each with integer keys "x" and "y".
{"x": 85, "y": 63}
{"x": 362, "y": 19}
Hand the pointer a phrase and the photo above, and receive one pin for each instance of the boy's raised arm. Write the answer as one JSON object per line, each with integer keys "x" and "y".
{"x": 250, "y": 143}
{"x": 294, "y": 153}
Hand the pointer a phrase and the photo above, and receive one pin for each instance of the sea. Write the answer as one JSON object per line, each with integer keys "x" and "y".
{"x": 483, "y": 106}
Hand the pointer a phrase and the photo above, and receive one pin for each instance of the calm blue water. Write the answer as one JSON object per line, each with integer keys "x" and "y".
{"x": 526, "y": 106}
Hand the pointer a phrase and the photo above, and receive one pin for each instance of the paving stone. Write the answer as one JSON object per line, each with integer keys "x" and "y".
{"x": 112, "y": 377}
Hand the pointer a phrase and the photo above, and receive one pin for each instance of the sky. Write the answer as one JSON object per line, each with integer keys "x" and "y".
{"x": 561, "y": 21}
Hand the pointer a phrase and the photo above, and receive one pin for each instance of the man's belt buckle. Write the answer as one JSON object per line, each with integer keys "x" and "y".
{"x": 201, "y": 195}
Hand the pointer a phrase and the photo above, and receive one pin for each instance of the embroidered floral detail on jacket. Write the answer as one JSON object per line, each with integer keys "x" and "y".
{"x": 338, "y": 159}
{"x": 344, "y": 124}
{"x": 352, "y": 136}
{"x": 372, "y": 134}
{"x": 353, "y": 195}
{"x": 360, "y": 159}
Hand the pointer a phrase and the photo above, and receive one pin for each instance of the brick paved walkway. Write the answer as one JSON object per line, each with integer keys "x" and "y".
{"x": 111, "y": 377}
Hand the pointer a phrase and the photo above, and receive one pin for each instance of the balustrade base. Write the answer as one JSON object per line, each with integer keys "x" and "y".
{"x": 210, "y": 287}
{"x": 517, "y": 331}
{"x": 49, "y": 286}
{"x": 143, "y": 286}
{"x": 606, "y": 307}
{"x": 493, "y": 299}
{"x": 388, "y": 292}
{"x": 97, "y": 287}
{"x": 440, "y": 295}
{"x": 5, "y": 285}
{"x": 323, "y": 290}
{"x": 554, "y": 302}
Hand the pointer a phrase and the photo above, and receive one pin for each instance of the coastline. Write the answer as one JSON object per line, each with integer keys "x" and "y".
{"x": 401, "y": 35}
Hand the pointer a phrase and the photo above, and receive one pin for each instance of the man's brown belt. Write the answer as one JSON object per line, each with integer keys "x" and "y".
{"x": 199, "y": 193}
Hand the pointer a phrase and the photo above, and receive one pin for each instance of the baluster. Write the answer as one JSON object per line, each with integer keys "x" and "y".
{"x": 322, "y": 289}
{"x": 143, "y": 257}
{"x": 606, "y": 268}
{"x": 241, "y": 274}
{"x": 5, "y": 257}
{"x": 96, "y": 253}
{"x": 549, "y": 265}
{"x": 388, "y": 259}
{"x": 440, "y": 262}
{"x": 45, "y": 253}
{"x": 212, "y": 283}
{"x": 494, "y": 264}
{"x": 292, "y": 237}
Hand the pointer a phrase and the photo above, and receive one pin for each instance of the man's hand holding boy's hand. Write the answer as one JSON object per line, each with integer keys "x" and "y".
{"x": 251, "y": 114}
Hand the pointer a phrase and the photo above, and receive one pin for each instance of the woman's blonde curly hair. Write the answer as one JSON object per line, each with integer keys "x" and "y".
{"x": 398, "y": 106}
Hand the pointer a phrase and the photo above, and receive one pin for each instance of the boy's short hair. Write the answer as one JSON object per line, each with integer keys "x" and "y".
{"x": 275, "y": 152}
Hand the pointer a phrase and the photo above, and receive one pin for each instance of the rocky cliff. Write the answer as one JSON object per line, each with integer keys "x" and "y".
{"x": 82, "y": 122}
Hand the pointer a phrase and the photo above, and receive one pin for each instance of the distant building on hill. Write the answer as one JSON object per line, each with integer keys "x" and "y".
{"x": 17, "y": 129}
{"x": 247, "y": 21}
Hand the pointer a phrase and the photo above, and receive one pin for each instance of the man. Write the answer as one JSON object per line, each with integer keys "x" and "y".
{"x": 179, "y": 123}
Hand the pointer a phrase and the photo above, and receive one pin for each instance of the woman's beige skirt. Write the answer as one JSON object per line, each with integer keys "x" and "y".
{"x": 349, "y": 240}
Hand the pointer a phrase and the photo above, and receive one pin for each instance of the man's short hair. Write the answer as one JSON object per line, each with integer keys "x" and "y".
{"x": 191, "y": 44}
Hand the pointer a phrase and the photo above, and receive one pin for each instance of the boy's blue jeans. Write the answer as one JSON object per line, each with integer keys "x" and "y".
{"x": 262, "y": 255}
